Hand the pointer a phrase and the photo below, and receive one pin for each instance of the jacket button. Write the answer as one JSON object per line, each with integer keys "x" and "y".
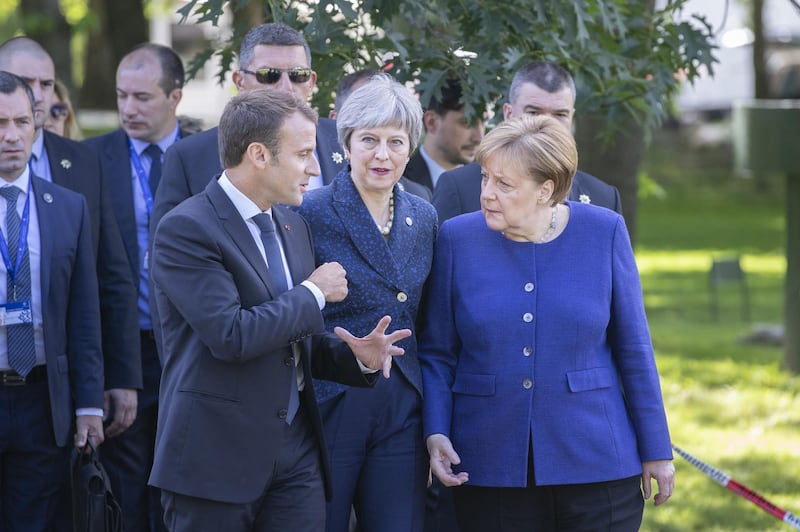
{"x": 529, "y": 287}
{"x": 527, "y": 384}
{"x": 527, "y": 351}
{"x": 402, "y": 297}
{"x": 527, "y": 317}
{"x": 288, "y": 361}
{"x": 282, "y": 413}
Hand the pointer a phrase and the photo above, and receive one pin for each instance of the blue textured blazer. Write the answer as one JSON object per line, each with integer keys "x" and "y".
{"x": 525, "y": 340}
{"x": 384, "y": 277}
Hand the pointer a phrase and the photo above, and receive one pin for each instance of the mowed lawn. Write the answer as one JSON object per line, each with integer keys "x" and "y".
{"x": 729, "y": 403}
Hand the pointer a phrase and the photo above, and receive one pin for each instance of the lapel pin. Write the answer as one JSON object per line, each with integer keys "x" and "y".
{"x": 47, "y": 197}
{"x": 287, "y": 227}
{"x": 584, "y": 198}
{"x": 337, "y": 157}
{"x": 66, "y": 164}
{"x": 409, "y": 221}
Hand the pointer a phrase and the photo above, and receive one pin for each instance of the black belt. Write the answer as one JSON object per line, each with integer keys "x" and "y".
{"x": 10, "y": 377}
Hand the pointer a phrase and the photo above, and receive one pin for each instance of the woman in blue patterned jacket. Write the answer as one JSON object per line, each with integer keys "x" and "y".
{"x": 542, "y": 398}
{"x": 383, "y": 237}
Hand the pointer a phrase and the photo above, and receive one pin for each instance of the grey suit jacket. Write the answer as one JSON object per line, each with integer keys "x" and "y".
{"x": 227, "y": 340}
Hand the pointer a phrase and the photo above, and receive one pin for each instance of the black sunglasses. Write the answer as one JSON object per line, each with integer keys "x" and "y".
{"x": 271, "y": 76}
{"x": 59, "y": 110}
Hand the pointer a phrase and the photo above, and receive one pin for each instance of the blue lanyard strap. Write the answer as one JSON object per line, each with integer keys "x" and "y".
{"x": 144, "y": 179}
{"x": 22, "y": 244}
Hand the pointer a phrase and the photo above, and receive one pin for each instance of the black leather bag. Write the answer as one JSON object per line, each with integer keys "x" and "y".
{"x": 94, "y": 508}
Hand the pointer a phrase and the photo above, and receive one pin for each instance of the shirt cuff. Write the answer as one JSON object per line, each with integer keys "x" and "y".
{"x": 89, "y": 412}
{"x": 364, "y": 369}
{"x": 317, "y": 293}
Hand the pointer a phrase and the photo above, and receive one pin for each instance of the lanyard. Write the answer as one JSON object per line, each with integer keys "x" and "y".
{"x": 144, "y": 179}
{"x": 22, "y": 244}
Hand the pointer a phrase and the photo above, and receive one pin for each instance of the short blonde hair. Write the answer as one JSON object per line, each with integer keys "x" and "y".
{"x": 71, "y": 128}
{"x": 538, "y": 147}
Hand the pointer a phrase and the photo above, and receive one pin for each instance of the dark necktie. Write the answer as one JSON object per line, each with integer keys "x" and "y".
{"x": 275, "y": 263}
{"x": 154, "y": 152}
{"x": 21, "y": 350}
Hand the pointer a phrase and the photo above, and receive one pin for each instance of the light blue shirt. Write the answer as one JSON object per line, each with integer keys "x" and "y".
{"x": 433, "y": 167}
{"x": 143, "y": 222}
{"x": 39, "y": 160}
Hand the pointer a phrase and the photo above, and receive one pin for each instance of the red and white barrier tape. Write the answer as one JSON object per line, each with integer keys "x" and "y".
{"x": 725, "y": 480}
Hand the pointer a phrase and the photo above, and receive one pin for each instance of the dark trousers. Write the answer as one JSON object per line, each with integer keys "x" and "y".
{"x": 32, "y": 468}
{"x": 293, "y": 500}
{"x": 128, "y": 458}
{"x": 614, "y": 506}
{"x": 440, "y": 514}
{"x": 378, "y": 460}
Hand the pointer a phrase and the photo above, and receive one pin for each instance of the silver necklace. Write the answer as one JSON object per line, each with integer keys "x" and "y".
{"x": 551, "y": 228}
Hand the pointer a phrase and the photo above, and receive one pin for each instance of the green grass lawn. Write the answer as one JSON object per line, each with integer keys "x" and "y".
{"x": 729, "y": 403}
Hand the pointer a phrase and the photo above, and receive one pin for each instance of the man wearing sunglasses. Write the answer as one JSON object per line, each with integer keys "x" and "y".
{"x": 149, "y": 85}
{"x": 272, "y": 56}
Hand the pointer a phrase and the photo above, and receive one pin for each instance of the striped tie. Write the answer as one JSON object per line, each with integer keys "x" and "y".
{"x": 21, "y": 351}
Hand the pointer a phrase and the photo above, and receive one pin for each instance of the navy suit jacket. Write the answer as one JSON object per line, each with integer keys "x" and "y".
{"x": 417, "y": 171}
{"x": 227, "y": 348}
{"x": 458, "y": 191}
{"x": 542, "y": 346}
{"x": 70, "y": 305}
{"x": 77, "y": 167}
{"x": 192, "y": 162}
{"x": 384, "y": 277}
{"x": 114, "y": 153}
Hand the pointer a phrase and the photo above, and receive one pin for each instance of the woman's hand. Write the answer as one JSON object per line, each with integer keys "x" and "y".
{"x": 443, "y": 457}
{"x": 663, "y": 472}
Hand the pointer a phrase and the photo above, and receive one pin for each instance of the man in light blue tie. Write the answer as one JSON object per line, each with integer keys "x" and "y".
{"x": 240, "y": 446}
{"x": 51, "y": 365}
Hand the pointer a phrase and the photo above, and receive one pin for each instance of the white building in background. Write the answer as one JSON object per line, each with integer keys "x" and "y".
{"x": 203, "y": 96}
{"x": 733, "y": 75}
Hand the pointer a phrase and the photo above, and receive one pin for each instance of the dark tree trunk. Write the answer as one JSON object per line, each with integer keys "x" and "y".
{"x": 43, "y": 22}
{"x": 618, "y": 164}
{"x": 759, "y": 51}
{"x": 122, "y": 26}
{"x": 792, "y": 288}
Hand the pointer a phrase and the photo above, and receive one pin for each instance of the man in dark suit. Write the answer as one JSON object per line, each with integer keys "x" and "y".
{"x": 344, "y": 88}
{"x": 76, "y": 167}
{"x": 540, "y": 87}
{"x": 51, "y": 366}
{"x": 240, "y": 446}
{"x": 272, "y": 56}
{"x": 450, "y": 141}
{"x": 149, "y": 86}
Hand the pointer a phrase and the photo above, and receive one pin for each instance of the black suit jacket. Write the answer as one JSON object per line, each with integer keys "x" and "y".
{"x": 70, "y": 305}
{"x": 114, "y": 153}
{"x": 417, "y": 171}
{"x": 227, "y": 337}
{"x": 77, "y": 167}
{"x": 458, "y": 191}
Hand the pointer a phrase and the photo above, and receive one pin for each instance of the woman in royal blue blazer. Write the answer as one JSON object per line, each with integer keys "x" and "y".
{"x": 542, "y": 398}
{"x": 383, "y": 237}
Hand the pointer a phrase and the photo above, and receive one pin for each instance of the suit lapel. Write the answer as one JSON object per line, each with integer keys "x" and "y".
{"x": 403, "y": 238}
{"x": 236, "y": 227}
{"x": 117, "y": 159}
{"x": 354, "y": 217}
{"x": 58, "y": 158}
{"x": 292, "y": 245}
{"x": 47, "y": 221}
